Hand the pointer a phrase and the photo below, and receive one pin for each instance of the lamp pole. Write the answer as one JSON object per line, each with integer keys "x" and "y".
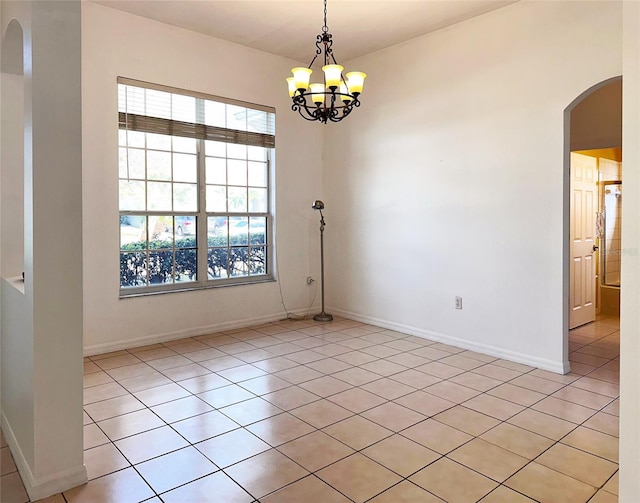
{"x": 322, "y": 316}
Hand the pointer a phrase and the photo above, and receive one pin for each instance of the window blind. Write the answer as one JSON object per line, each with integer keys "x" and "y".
{"x": 157, "y": 109}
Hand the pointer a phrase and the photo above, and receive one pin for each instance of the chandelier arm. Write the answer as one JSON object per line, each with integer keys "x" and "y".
{"x": 301, "y": 106}
{"x": 337, "y": 117}
{"x": 308, "y": 118}
{"x": 312, "y": 61}
{"x": 319, "y": 40}
{"x": 333, "y": 111}
{"x": 346, "y": 112}
{"x": 305, "y": 113}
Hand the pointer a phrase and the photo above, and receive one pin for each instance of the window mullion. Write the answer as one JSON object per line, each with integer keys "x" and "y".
{"x": 201, "y": 229}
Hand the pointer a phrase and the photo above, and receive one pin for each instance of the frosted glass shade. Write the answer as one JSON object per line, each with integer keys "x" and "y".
{"x": 332, "y": 75}
{"x": 344, "y": 96}
{"x": 355, "y": 81}
{"x": 292, "y": 86}
{"x": 301, "y": 77}
{"x": 317, "y": 93}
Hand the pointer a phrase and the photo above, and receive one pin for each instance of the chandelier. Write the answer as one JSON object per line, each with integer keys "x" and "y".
{"x": 331, "y": 100}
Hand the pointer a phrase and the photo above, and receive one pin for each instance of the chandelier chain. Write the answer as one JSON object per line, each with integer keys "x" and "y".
{"x": 325, "y": 28}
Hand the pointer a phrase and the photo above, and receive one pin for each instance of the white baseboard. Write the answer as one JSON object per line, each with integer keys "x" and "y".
{"x": 498, "y": 352}
{"x": 107, "y": 347}
{"x": 39, "y": 488}
{"x": 514, "y": 356}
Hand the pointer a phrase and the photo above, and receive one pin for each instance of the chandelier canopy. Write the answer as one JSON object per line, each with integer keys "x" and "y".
{"x": 331, "y": 100}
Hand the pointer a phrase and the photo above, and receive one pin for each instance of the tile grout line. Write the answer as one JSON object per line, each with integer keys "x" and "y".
{"x": 325, "y": 356}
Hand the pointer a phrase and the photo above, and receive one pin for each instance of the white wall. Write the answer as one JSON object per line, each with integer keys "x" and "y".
{"x": 119, "y": 44}
{"x": 449, "y": 178}
{"x": 630, "y": 291}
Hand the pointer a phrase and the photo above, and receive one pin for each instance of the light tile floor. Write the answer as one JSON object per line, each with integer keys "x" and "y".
{"x": 300, "y": 411}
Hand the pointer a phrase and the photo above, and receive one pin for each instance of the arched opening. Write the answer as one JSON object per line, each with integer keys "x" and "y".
{"x": 13, "y": 49}
{"x": 12, "y": 147}
{"x": 592, "y": 173}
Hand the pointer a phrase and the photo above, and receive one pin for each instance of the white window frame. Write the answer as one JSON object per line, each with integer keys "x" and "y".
{"x": 202, "y": 216}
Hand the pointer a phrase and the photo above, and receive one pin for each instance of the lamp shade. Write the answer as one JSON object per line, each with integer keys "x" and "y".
{"x": 301, "y": 77}
{"x": 332, "y": 75}
{"x": 344, "y": 93}
{"x": 292, "y": 86}
{"x": 355, "y": 82}
{"x": 317, "y": 93}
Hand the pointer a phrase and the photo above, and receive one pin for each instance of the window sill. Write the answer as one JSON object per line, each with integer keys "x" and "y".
{"x": 127, "y": 294}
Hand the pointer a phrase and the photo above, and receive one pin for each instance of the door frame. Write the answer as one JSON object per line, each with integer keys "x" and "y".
{"x": 566, "y": 214}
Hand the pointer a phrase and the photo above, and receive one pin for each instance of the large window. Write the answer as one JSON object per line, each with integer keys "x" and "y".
{"x": 195, "y": 191}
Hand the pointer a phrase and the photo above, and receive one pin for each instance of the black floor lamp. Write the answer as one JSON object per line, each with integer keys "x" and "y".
{"x": 322, "y": 316}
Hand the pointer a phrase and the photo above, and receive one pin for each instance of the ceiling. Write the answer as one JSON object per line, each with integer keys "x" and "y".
{"x": 289, "y": 28}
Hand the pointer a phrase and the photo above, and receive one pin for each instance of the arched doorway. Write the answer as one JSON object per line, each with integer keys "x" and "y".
{"x": 592, "y": 157}
{"x": 12, "y": 147}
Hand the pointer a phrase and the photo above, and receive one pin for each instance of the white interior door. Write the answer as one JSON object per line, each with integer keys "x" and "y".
{"x": 584, "y": 204}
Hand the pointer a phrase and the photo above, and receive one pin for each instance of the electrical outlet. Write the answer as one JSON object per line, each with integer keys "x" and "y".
{"x": 310, "y": 280}
{"x": 458, "y": 302}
